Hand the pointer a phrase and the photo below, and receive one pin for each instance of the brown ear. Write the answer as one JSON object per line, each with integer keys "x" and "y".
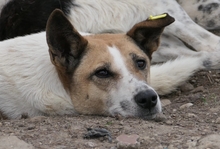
{"x": 146, "y": 34}
{"x": 65, "y": 43}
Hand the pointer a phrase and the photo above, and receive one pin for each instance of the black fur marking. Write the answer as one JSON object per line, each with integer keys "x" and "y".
{"x": 207, "y": 64}
{"x": 22, "y": 17}
{"x": 208, "y": 8}
{"x": 165, "y": 45}
{"x": 124, "y": 105}
{"x": 196, "y": 20}
{"x": 211, "y": 23}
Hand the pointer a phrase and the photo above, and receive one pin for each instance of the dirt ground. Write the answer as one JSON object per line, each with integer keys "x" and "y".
{"x": 192, "y": 121}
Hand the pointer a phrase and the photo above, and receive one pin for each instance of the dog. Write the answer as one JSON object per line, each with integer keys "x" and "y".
{"x": 103, "y": 74}
{"x": 97, "y": 77}
{"x": 184, "y": 41}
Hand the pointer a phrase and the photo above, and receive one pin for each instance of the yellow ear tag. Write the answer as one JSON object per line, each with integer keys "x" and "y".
{"x": 157, "y": 17}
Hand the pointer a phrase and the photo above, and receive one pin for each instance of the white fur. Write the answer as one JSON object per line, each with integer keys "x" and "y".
{"x": 2, "y": 3}
{"x": 127, "y": 87}
{"x": 96, "y": 16}
{"x": 30, "y": 85}
{"x": 167, "y": 77}
{"x": 203, "y": 12}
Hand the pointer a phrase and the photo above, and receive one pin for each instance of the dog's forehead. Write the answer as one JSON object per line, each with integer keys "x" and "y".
{"x": 114, "y": 51}
{"x": 123, "y": 43}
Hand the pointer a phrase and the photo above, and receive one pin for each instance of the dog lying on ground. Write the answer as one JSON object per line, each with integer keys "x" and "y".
{"x": 163, "y": 78}
{"x": 104, "y": 74}
{"x": 184, "y": 39}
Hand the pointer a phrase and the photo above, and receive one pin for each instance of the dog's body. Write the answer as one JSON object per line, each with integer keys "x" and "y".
{"x": 31, "y": 84}
{"x": 103, "y": 74}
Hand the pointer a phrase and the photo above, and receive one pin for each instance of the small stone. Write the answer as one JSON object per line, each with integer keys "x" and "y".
{"x": 198, "y": 89}
{"x": 165, "y": 102}
{"x": 191, "y": 115}
{"x": 31, "y": 127}
{"x": 127, "y": 141}
{"x": 174, "y": 110}
{"x": 192, "y": 142}
{"x": 159, "y": 147}
{"x": 90, "y": 144}
{"x": 7, "y": 142}
{"x": 217, "y": 120}
{"x": 193, "y": 81}
{"x": 38, "y": 119}
{"x": 214, "y": 109}
{"x": 186, "y": 106}
{"x": 217, "y": 80}
{"x": 210, "y": 141}
{"x": 169, "y": 122}
{"x": 186, "y": 87}
{"x": 160, "y": 117}
{"x": 171, "y": 146}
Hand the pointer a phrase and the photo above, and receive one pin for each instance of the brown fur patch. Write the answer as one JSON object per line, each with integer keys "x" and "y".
{"x": 89, "y": 93}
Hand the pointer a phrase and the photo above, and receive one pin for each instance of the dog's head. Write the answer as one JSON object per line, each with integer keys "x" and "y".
{"x": 106, "y": 74}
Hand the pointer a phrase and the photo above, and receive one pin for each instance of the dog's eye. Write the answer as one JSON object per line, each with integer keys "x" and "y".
{"x": 141, "y": 64}
{"x": 102, "y": 73}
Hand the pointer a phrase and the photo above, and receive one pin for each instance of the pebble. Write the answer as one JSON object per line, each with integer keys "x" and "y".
{"x": 169, "y": 122}
{"x": 214, "y": 109}
{"x": 160, "y": 117}
{"x": 128, "y": 141}
{"x": 12, "y": 142}
{"x": 198, "y": 89}
{"x": 165, "y": 102}
{"x": 192, "y": 142}
{"x": 90, "y": 144}
{"x": 38, "y": 119}
{"x": 174, "y": 110}
{"x": 187, "y": 105}
{"x": 210, "y": 141}
{"x": 193, "y": 81}
{"x": 31, "y": 127}
{"x": 191, "y": 115}
{"x": 217, "y": 80}
{"x": 171, "y": 147}
{"x": 186, "y": 87}
{"x": 217, "y": 120}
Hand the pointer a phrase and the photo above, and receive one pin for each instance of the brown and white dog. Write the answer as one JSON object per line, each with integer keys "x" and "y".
{"x": 105, "y": 74}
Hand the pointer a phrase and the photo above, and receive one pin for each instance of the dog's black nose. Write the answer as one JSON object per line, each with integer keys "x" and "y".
{"x": 146, "y": 99}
